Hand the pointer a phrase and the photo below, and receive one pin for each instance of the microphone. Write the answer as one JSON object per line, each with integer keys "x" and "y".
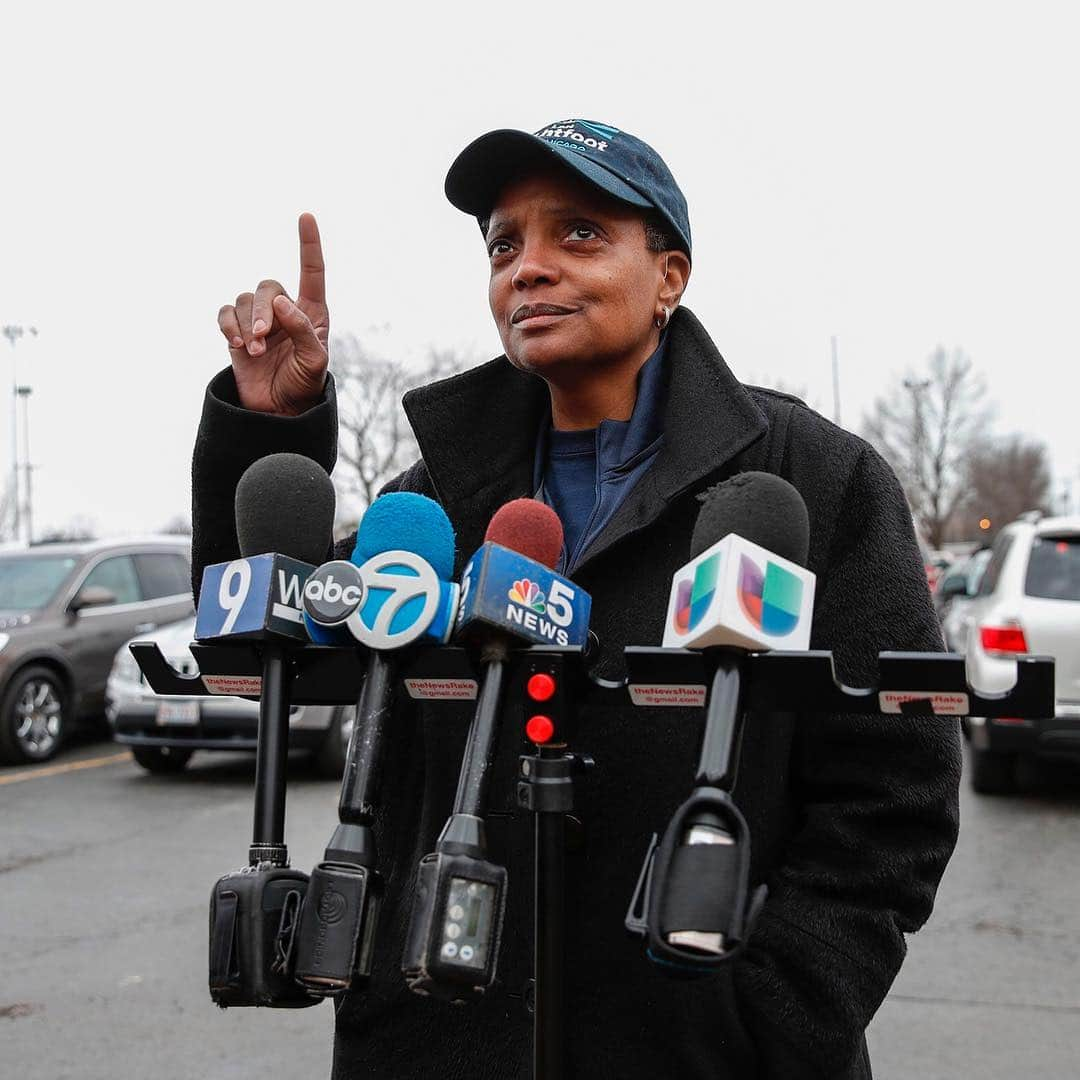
{"x": 284, "y": 518}
{"x": 509, "y": 589}
{"x": 745, "y": 585}
{"x": 392, "y": 592}
{"x": 284, "y": 524}
{"x": 453, "y": 940}
{"x": 395, "y": 588}
{"x": 743, "y": 590}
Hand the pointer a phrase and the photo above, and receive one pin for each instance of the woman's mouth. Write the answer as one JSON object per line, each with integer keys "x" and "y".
{"x": 528, "y": 312}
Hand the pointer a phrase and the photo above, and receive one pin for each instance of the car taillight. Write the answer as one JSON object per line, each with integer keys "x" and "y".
{"x": 1003, "y": 639}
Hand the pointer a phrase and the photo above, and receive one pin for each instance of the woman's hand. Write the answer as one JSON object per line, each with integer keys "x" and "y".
{"x": 278, "y": 347}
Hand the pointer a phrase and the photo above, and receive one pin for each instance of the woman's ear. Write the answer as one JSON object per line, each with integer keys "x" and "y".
{"x": 676, "y": 276}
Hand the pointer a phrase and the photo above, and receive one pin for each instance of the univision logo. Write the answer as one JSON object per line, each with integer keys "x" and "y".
{"x": 770, "y": 600}
{"x": 692, "y": 598}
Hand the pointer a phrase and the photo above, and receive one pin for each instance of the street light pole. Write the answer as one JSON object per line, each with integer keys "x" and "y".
{"x": 24, "y": 392}
{"x": 13, "y": 331}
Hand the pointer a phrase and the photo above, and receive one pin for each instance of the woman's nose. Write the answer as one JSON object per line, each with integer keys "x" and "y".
{"x": 537, "y": 266}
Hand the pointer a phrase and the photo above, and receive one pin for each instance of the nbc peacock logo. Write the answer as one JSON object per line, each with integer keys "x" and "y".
{"x": 527, "y": 593}
{"x": 692, "y": 598}
{"x": 770, "y": 600}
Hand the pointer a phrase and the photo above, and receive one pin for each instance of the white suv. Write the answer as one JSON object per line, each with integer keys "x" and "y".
{"x": 1028, "y": 602}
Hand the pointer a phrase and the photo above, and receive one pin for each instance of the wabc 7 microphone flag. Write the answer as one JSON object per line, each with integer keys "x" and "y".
{"x": 389, "y": 601}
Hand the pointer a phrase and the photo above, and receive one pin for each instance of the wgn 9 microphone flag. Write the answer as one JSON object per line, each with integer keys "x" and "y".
{"x": 509, "y": 585}
{"x": 744, "y": 587}
{"x": 284, "y": 521}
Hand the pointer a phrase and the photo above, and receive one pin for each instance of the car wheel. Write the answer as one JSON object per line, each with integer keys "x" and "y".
{"x": 992, "y": 773}
{"x": 33, "y": 716}
{"x": 329, "y": 759}
{"x": 161, "y": 759}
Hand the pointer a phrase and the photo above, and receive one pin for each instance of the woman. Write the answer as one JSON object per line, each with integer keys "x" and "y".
{"x": 612, "y": 404}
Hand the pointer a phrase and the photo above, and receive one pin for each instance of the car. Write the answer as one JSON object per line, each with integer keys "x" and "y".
{"x": 1028, "y": 601}
{"x": 955, "y": 591}
{"x": 164, "y": 731}
{"x": 65, "y": 608}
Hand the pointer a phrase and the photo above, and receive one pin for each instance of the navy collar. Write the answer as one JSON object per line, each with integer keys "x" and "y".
{"x": 621, "y": 444}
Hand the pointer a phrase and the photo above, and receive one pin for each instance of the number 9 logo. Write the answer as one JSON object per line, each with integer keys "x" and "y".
{"x": 232, "y": 598}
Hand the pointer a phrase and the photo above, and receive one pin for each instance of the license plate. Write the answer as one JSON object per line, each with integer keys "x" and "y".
{"x": 178, "y": 712}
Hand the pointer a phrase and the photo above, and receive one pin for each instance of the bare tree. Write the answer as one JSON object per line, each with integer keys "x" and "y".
{"x": 78, "y": 528}
{"x": 375, "y": 441}
{"x": 178, "y": 525}
{"x": 1004, "y": 478}
{"x": 924, "y": 427}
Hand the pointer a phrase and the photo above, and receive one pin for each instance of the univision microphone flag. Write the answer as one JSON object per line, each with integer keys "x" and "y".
{"x": 739, "y": 594}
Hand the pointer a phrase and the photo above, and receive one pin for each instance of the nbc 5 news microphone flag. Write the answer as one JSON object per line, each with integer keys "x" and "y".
{"x": 739, "y": 594}
{"x": 511, "y": 592}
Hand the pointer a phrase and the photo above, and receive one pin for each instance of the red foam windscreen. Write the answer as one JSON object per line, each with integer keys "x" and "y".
{"x": 528, "y": 527}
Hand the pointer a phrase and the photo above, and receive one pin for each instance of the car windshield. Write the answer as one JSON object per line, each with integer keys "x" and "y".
{"x": 1053, "y": 571}
{"x": 30, "y": 582}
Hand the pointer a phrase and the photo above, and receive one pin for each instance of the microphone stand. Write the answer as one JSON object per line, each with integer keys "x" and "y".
{"x": 271, "y": 760}
{"x": 338, "y": 921}
{"x": 546, "y": 788}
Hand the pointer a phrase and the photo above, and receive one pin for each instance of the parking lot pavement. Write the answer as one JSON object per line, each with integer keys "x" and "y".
{"x": 105, "y": 876}
{"x": 991, "y": 985}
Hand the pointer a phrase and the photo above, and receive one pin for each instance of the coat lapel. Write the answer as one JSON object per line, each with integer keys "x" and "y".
{"x": 477, "y": 434}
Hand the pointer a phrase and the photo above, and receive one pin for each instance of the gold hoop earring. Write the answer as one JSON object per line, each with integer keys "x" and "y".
{"x": 663, "y": 320}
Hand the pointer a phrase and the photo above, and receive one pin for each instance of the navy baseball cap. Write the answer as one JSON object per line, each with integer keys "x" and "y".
{"x": 612, "y": 160}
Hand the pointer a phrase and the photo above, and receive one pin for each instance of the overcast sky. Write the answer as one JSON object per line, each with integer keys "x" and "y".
{"x": 900, "y": 177}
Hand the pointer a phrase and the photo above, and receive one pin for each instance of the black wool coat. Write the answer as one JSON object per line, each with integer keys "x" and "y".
{"x": 852, "y": 819}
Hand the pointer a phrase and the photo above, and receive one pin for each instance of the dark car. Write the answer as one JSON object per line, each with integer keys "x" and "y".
{"x": 64, "y": 611}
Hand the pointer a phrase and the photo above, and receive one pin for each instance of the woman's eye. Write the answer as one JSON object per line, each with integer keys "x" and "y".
{"x": 498, "y": 247}
{"x": 583, "y": 232}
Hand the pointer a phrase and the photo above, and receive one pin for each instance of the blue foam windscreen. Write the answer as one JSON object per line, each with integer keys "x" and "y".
{"x": 405, "y": 521}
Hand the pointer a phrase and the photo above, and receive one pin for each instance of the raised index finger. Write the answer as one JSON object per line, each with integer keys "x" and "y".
{"x": 312, "y": 269}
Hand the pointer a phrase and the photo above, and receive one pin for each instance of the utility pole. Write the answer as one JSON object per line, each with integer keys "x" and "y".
{"x": 835, "y": 383}
{"x": 13, "y": 332}
{"x": 24, "y": 392}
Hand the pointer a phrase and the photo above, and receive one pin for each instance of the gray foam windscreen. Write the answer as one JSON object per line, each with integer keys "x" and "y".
{"x": 285, "y": 504}
{"x": 759, "y": 507}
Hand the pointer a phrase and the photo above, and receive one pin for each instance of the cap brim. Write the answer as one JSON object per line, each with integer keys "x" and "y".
{"x": 488, "y": 163}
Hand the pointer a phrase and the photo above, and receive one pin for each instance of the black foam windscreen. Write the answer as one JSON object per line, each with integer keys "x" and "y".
{"x": 285, "y": 505}
{"x": 759, "y": 507}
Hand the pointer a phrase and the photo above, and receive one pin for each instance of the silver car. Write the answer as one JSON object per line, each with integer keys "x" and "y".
{"x": 1028, "y": 602}
{"x": 163, "y": 732}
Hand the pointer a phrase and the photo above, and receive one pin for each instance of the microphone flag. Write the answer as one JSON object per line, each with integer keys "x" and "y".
{"x": 739, "y": 594}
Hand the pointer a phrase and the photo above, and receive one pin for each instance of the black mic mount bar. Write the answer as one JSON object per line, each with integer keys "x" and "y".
{"x": 707, "y": 841}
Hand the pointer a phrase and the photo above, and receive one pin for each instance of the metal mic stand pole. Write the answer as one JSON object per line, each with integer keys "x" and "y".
{"x": 546, "y": 788}
{"x": 271, "y": 761}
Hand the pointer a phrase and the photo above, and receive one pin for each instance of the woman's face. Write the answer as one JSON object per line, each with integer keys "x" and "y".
{"x": 572, "y": 281}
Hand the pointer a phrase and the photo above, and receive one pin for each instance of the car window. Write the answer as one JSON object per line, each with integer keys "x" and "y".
{"x": 1053, "y": 570}
{"x": 29, "y": 583}
{"x": 974, "y": 570}
{"x": 993, "y": 568}
{"x": 163, "y": 574}
{"x": 116, "y": 574}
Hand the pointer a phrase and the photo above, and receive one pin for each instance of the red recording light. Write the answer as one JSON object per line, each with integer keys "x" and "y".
{"x": 1003, "y": 639}
{"x": 539, "y": 729}
{"x": 540, "y": 687}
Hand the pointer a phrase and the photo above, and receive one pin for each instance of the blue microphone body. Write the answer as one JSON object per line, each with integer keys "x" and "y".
{"x": 505, "y": 591}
